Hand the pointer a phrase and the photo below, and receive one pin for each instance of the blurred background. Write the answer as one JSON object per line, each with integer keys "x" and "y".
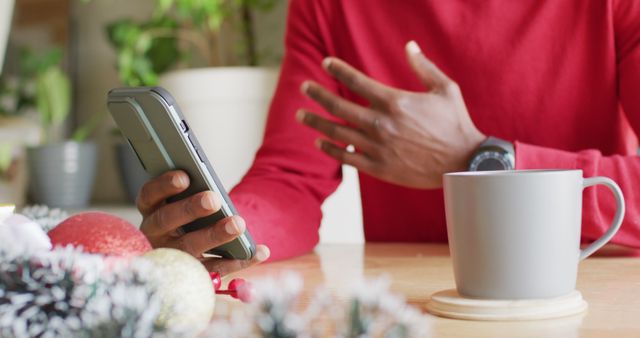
{"x": 219, "y": 58}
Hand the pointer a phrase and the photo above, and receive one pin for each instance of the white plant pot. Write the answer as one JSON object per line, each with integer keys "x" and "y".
{"x": 227, "y": 108}
{"x": 6, "y": 12}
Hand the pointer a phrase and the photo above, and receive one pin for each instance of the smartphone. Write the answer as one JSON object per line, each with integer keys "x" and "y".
{"x": 158, "y": 133}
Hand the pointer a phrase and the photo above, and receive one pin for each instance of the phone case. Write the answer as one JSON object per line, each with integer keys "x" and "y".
{"x": 158, "y": 133}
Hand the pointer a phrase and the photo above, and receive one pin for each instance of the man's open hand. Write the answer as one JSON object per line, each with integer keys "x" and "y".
{"x": 402, "y": 137}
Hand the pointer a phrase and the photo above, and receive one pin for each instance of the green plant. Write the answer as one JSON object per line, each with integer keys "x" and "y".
{"x": 183, "y": 32}
{"x": 19, "y": 92}
{"x": 53, "y": 88}
{"x": 42, "y": 86}
{"x": 144, "y": 50}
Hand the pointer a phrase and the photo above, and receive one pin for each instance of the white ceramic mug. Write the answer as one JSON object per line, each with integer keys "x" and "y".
{"x": 516, "y": 234}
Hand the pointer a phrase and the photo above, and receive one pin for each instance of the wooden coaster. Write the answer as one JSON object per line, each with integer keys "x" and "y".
{"x": 449, "y": 303}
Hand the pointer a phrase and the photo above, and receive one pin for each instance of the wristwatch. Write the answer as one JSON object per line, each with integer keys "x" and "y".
{"x": 493, "y": 154}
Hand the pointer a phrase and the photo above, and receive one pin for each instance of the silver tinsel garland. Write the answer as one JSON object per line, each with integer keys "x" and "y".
{"x": 47, "y": 218}
{"x": 371, "y": 311}
{"x": 67, "y": 293}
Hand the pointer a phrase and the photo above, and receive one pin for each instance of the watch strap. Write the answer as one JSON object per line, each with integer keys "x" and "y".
{"x": 492, "y": 141}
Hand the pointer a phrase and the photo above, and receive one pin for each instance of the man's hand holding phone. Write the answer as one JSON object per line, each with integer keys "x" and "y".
{"x": 161, "y": 222}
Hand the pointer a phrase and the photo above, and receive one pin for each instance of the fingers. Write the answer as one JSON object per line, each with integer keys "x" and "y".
{"x": 158, "y": 189}
{"x": 430, "y": 75}
{"x": 358, "y": 160}
{"x": 168, "y": 218}
{"x": 199, "y": 241}
{"x": 355, "y": 80}
{"x": 353, "y": 113}
{"x": 227, "y": 266}
{"x": 336, "y": 131}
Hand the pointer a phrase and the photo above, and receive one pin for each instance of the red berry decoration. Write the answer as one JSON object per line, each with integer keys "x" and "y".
{"x": 236, "y": 284}
{"x": 246, "y": 292}
{"x": 99, "y": 232}
{"x": 240, "y": 289}
{"x": 216, "y": 280}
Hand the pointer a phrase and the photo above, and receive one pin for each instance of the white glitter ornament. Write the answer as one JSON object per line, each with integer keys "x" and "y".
{"x": 20, "y": 235}
{"x": 185, "y": 288}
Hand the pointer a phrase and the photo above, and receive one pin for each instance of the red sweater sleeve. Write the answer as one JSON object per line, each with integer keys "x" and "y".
{"x": 281, "y": 195}
{"x": 598, "y": 203}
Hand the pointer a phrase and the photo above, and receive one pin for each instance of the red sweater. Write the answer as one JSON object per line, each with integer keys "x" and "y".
{"x": 561, "y": 79}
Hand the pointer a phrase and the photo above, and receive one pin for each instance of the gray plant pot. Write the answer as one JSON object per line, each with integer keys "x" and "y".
{"x": 131, "y": 171}
{"x": 61, "y": 175}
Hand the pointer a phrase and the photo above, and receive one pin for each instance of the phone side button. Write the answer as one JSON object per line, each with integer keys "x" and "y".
{"x": 200, "y": 156}
{"x": 184, "y": 126}
{"x": 193, "y": 143}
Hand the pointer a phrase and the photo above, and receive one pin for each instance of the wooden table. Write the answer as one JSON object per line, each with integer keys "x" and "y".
{"x": 609, "y": 282}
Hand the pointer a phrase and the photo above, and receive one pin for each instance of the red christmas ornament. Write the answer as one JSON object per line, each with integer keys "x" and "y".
{"x": 99, "y": 232}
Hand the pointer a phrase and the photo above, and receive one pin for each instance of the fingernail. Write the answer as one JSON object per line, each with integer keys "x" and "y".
{"x": 240, "y": 224}
{"x": 304, "y": 87}
{"x": 235, "y": 227}
{"x": 300, "y": 115}
{"x": 231, "y": 228}
{"x": 178, "y": 181}
{"x": 263, "y": 254}
{"x": 413, "y": 48}
{"x": 326, "y": 63}
{"x": 318, "y": 143}
{"x": 206, "y": 201}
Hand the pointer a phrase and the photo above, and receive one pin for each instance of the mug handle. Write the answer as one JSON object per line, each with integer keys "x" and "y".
{"x": 617, "y": 219}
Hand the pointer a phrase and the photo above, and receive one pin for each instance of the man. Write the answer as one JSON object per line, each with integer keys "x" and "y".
{"x": 554, "y": 83}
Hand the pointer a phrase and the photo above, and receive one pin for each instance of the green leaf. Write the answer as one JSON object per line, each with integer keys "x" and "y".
{"x": 31, "y": 63}
{"x": 118, "y": 31}
{"x": 215, "y": 22}
{"x": 6, "y": 157}
{"x": 123, "y": 33}
{"x": 143, "y": 43}
{"x": 212, "y": 6}
{"x": 53, "y": 99}
{"x": 144, "y": 70}
{"x": 185, "y": 7}
{"x": 163, "y": 52}
{"x": 164, "y": 5}
{"x": 125, "y": 66}
{"x": 50, "y": 59}
{"x": 84, "y": 130}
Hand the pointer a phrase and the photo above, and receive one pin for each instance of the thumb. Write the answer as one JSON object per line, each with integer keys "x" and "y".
{"x": 430, "y": 75}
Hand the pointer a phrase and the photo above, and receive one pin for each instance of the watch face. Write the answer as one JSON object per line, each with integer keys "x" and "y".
{"x": 490, "y": 160}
